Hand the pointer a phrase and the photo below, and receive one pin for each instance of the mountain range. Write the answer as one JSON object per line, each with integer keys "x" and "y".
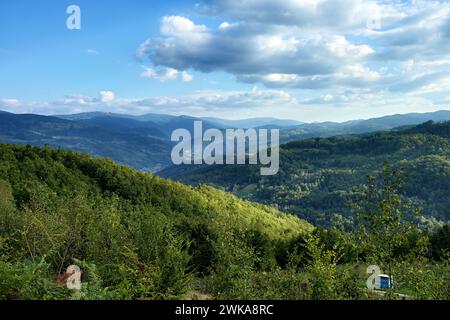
{"x": 143, "y": 142}
{"x": 329, "y": 129}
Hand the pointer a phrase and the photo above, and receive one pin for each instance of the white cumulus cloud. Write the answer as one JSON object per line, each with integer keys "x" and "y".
{"x": 107, "y": 96}
{"x": 166, "y": 74}
{"x": 310, "y": 44}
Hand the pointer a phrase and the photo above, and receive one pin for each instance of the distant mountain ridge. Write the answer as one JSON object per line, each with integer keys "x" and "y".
{"x": 143, "y": 142}
{"x": 164, "y": 119}
{"x": 253, "y": 122}
{"x": 329, "y": 129}
{"x": 143, "y": 152}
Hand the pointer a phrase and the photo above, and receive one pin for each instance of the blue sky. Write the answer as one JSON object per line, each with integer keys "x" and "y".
{"x": 310, "y": 60}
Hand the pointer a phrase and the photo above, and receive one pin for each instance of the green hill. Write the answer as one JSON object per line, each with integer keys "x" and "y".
{"x": 143, "y": 236}
{"x": 320, "y": 177}
{"x": 141, "y": 147}
{"x": 138, "y": 236}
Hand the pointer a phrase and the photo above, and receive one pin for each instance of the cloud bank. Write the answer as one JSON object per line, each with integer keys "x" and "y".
{"x": 311, "y": 44}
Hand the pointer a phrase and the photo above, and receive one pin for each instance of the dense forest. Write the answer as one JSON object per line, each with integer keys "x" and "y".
{"x": 137, "y": 236}
{"x": 320, "y": 178}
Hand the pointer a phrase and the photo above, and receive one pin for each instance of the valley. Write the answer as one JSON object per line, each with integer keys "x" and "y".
{"x": 320, "y": 177}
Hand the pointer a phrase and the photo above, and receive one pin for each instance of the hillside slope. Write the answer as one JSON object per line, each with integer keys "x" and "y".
{"x": 319, "y": 178}
{"x": 138, "y": 236}
{"x": 143, "y": 149}
{"x": 67, "y": 174}
{"x": 142, "y": 235}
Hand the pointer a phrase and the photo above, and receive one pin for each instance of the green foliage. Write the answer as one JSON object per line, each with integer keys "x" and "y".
{"x": 322, "y": 269}
{"x": 381, "y": 217}
{"x": 28, "y": 280}
{"x": 440, "y": 242}
{"x": 424, "y": 280}
{"x": 136, "y": 236}
{"x": 320, "y": 178}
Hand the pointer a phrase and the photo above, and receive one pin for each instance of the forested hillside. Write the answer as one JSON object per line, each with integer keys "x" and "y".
{"x": 140, "y": 147}
{"x": 142, "y": 233}
{"x": 319, "y": 178}
{"x": 138, "y": 236}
